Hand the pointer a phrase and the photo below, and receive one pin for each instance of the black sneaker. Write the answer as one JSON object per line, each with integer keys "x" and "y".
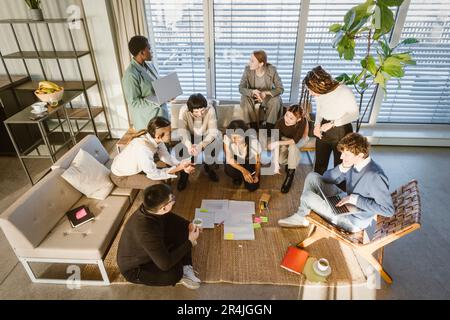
{"x": 211, "y": 173}
{"x": 182, "y": 181}
{"x": 288, "y": 181}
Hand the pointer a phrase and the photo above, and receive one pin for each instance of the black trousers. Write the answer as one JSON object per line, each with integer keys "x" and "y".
{"x": 237, "y": 175}
{"x": 328, "y": 144}
{"x": 176, "y": 233}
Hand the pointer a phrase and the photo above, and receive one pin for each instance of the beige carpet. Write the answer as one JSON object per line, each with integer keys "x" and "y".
{"x": 249, "y": 262}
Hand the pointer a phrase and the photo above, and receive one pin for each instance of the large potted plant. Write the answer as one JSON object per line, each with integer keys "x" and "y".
{"x": 371, "y": 22}
{"x": 35, "y": 9}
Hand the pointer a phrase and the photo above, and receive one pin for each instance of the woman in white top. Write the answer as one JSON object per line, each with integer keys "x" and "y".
{"x": 336, "y": 109}
{"x": 242, "y": 155}
{"x": 135, "y": 167}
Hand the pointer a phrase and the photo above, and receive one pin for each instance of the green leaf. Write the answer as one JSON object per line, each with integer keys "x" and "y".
{"x": 393, "y": 67}
{"x": 409, "y": 41}
{"x": 386, "y": 19}
{"x": 343, "y": 77}
{"x": 360, "y": 11}
{"x": 385, "y": 47}
{"x": 338, "y": 38}
{"x": 349, "y": 53}
{"x": 369, "y": 64}
{"x": 391, "y": 3}
{"x": 335, "y": 27}
{"x": 403, "y": 57}
{"x": 380, "y": 80}
{"x": 358, "y": 26}
{"x": 363, "y": 85}
{"x": 349, "y": 18}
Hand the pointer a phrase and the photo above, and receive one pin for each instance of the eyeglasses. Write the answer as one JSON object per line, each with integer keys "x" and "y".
{"x": 171, "y": 199}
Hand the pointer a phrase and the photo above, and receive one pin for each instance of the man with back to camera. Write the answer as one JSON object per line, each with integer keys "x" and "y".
{"x": 155, "y": 247}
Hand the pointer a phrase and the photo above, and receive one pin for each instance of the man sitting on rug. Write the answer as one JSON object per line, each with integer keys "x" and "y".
{"x": 135, "y": 166}
{"x": 155, "y": 245}
{"x": 367, "y": 188}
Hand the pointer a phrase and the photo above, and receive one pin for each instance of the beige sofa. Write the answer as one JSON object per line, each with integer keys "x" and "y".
{"x": 38, "y": 230}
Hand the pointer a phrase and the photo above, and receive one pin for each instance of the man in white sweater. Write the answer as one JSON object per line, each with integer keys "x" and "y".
{"x": 135, "y": 166}
{"x": 197, "y": 126}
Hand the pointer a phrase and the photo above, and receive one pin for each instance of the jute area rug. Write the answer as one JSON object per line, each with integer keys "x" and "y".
{"x": 249, "y": 262}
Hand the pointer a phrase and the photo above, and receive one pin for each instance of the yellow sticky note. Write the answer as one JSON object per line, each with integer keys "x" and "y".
{"x": 264, "y": 219}
{"x": 203, "y": 210}
{"x": 256, "y": 226}
{"x": 229, "y": 236}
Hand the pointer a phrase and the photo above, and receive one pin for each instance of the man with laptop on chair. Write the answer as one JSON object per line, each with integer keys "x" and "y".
{"x": 367, "y": 190}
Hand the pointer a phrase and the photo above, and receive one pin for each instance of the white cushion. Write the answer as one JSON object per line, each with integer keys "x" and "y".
{"x": 89, "y": 176}
{"x": 91, "y": 144}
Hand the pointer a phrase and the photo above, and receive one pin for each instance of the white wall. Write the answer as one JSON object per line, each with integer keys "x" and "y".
{"x": 100, "y": 30}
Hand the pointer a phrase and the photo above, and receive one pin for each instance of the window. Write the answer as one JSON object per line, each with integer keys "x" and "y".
{"x": 424, "y": 94}
{"x": 240, "y": 27}
{"x": 188, "y": 33}
{"x": 177, "y": 31}
{"x": 318, "y": 42}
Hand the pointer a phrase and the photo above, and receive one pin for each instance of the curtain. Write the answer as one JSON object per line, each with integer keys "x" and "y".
{"x": 129, "y": 20}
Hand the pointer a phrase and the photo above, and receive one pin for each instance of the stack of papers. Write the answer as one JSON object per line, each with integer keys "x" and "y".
{"x": 235, "y": 215}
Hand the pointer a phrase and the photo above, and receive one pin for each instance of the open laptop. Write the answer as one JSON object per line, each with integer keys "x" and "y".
{"x": 334, "y": 200}
{"x": 166, "y": 88}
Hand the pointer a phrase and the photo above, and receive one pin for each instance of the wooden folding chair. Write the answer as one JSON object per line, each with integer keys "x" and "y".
{"x": 405, "y": 220}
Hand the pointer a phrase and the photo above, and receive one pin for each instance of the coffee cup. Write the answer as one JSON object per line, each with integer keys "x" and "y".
{"x": 323, "y": 265}
{"x": 39, "y": 107}
{"x": 198, "y": 222}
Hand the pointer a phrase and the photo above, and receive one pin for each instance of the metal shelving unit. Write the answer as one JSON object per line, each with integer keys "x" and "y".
{"x": 89, "y": 112}
{"x": 63, "y": 125}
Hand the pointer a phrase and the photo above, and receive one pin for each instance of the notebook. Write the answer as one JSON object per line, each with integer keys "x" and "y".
{"x": 79, "y": 216}
{"x": 294, "y": 260}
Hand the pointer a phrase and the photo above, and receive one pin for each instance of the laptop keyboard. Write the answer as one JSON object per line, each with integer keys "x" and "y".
{"x": 337, "y": 210}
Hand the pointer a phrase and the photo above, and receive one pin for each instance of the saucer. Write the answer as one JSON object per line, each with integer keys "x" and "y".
{"x": 325, "y": 273}
{"x": 38, "y": 112}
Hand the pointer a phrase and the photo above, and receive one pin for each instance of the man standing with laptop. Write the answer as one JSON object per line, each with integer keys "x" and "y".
{"x": 137, "y": 85}
{"x": 367, "y": 190}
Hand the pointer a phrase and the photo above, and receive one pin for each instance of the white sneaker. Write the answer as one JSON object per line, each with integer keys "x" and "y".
{"x": 189, "y": 283}
{"x": 293, "y": 221}
{"x": 188, "y": 272}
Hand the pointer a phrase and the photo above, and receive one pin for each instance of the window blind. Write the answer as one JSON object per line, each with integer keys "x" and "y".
{"x": 424, "y": 92}
{"x": 179, "y": 39}
{"x": 240, "y": 27}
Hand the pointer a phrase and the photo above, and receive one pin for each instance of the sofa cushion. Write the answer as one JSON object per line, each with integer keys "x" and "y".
{"x": 91, "y": 144}
{"x": 28, "y": 221}
{"x": 88, "y": 241}
{"x": 89, "y": 176}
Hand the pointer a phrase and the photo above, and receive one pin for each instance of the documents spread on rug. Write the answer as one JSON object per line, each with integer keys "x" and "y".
{"x": 236, "y": 217}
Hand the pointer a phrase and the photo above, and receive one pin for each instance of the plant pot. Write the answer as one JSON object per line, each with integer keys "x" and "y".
{"x": 36, "y": 14}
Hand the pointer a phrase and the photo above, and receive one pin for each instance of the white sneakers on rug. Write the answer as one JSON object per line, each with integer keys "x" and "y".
{"x": 293, "y": 221}
{"x": 189, "y": 280}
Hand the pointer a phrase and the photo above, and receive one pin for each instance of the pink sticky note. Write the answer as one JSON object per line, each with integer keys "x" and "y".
{"x": 257, "y": 219}
{"x": 80, "y": 214}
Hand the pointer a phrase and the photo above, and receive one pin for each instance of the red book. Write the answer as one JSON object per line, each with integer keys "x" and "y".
{"x": 294, "y": 260}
